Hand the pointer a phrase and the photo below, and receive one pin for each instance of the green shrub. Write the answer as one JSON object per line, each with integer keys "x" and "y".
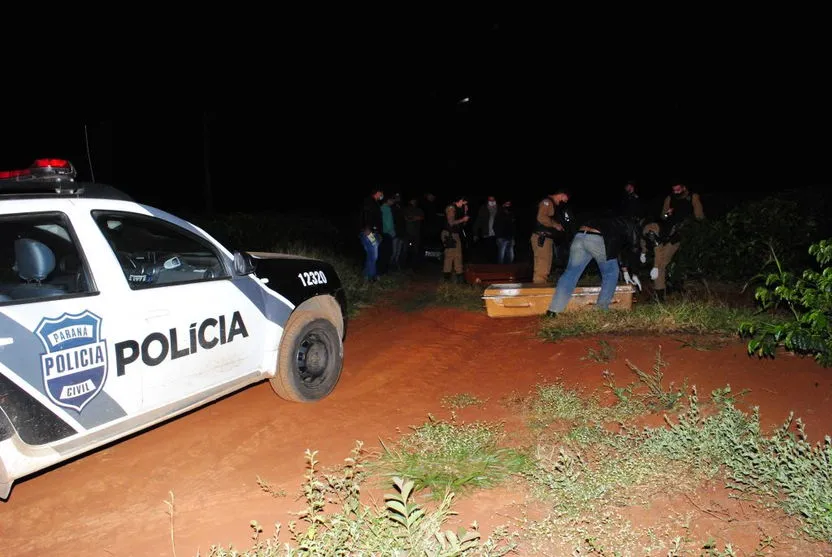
{"x": 809, "y": 298}
{"x": 736, "y": 245}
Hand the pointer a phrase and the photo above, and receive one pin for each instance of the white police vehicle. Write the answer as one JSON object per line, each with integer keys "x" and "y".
{"x": 115, "y": 316}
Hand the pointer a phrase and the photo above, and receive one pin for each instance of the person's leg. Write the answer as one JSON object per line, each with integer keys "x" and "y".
{"x": 609, "y": 270}
{"x": 457, "y": 258}
{"x": 417, "y": 250}
{"x": 374, "y": 260}
{"x": 579, "y": 258}
{"x": 609, "y": 281}
{"x": 542, "y": 259}
{"x": 447, "y": 263}
{"x": 371, "y": 256}
{"x": 663, "y": 255}
{"x": 491, "y": 250}
{"x": 502, "y": 250}
{"x": 398, "y": 250}
{"x": 365, "y": 243}
{"x": 384, "y": 250}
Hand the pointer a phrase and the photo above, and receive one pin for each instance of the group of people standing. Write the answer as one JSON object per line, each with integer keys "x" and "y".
{"x": 493, "y": 230}
{"x": 392, "y": 233}
{"x": 392, "y": 237}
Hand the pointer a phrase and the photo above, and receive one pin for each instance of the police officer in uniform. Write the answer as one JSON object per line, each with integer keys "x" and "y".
{"x": 455, "y": 218}
{"x": 546, "y": 228}
{"x": 677, "y": 209}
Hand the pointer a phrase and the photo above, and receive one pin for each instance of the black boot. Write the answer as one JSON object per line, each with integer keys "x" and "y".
{"x": 660, "y": 295}
{"x": 459, "y": 279}
{"x": 446, "y": 277}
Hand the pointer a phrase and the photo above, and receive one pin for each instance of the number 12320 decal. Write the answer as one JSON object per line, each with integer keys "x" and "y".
{"x": 310, "y": 278}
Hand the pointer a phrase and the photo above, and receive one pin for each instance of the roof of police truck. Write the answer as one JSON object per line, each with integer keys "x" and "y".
{"x": 53, "y": 178}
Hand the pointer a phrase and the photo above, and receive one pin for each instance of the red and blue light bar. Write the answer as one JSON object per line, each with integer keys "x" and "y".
{"x": 42, "y": 169}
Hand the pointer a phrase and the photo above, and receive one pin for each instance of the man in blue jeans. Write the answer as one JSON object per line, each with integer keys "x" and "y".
{"x": 603, "y": 239}
{"x": 370, "y": 233}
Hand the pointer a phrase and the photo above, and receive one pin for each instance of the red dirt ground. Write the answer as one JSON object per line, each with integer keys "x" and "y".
{"x": 398, "y": 368}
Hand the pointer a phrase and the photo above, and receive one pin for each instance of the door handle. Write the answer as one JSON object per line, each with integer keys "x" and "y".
{"x": 5, "y": 341}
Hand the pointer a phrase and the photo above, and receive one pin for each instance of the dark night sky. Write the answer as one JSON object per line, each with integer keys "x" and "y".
{"x": 733, "y": 113}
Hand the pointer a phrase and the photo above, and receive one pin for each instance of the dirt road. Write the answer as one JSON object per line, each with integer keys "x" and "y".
{"x": 398, "y": 368}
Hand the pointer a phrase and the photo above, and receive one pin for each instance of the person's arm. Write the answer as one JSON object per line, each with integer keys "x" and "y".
{"x": 545, "y": 215}
{"x": 450, "y": 213}
{"x": 698, "y": 211}
{"x": 627, "y": 261}
{"x": 666, "y": 205}
{"x": 366, "y": 218}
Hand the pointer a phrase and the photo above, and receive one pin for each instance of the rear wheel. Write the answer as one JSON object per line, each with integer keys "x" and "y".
{"x": 310, "y": 359}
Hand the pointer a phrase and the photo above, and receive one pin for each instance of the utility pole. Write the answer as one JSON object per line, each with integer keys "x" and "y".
{"x": 206, "y": 162}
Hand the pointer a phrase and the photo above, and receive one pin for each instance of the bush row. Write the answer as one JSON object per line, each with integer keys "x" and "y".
{"x": 737, "y": 243}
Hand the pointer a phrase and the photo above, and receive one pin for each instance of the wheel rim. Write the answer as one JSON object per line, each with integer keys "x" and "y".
{"x": 312, "y": 358}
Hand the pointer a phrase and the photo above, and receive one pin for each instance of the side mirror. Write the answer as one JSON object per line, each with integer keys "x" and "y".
{"x": 243, "y": 263}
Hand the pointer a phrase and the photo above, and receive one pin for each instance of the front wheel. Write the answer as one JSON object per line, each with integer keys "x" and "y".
{"x": 310, "y": 360}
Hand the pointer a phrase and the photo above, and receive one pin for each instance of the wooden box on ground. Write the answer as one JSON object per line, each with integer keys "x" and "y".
{"x": 527, "y": 299}
{"x": 488, "y": 273}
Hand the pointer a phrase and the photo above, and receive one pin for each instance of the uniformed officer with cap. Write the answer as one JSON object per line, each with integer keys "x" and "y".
{"x": 665, "y": 236}
{"x": 546, "y": 227}
{"x": 451, "y": 237}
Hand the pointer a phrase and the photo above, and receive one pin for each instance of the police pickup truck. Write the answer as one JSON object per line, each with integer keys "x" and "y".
{"x": 115, "y": 316}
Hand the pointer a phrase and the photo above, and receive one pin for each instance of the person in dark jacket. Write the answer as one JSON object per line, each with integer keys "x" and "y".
{"x": 505, "y": 229}
{"x": 485, "y": 236}
{"x": 632, "y": 205}
{"x": 606, "y": 240}
{"x": 370, "y": 232}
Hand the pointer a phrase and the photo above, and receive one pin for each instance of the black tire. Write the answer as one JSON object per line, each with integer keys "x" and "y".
{"x": 310, "y": 360}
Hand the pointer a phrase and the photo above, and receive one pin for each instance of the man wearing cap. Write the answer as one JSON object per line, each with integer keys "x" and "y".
{"x": 452, "y": 239}
{"x": 677, "y": 210}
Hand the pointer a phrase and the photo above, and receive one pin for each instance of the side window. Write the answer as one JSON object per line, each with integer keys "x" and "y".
{"x": 153, "y": 252}
{"x": 40, "y": 258}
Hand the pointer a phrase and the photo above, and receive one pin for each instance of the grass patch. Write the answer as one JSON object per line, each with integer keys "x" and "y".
{"x": 441, "y": 455}
{"x": 462, "y": 296}
{"x": 553, "y": 404}
{"x": 586, "y": 474}
{"x": 606, "y": 353}
{"x": 783, "y": 469}
{"x": 588, "y": 471}
{"x": 336, "y": 522}
{"x": 656, "y": 397}
{"x": 676, "y": 317}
